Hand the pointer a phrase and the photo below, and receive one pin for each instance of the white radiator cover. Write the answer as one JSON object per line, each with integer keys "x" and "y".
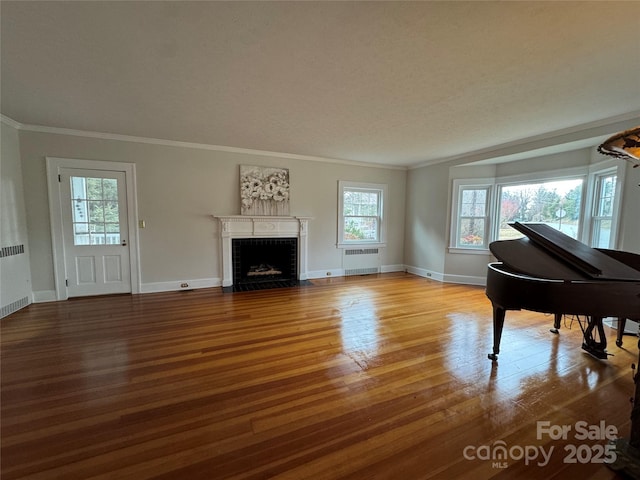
{"x": 15, "y": 279}
{"x": 361, "y": 261}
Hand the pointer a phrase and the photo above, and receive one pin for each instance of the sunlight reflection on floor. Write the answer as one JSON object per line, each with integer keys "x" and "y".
{"x": 359, "y": 326}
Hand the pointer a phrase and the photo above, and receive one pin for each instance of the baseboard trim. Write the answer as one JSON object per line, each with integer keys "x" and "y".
{"x": 466, "y": 280}
{"x": 392, "y": 268}
{"x": 336, "y": 272}
{"x": 177, "y": 285}
{"x": 423, "y": 272}
{"x": 42, "y": 296}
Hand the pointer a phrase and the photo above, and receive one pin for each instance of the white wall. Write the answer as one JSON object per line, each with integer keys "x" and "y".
{"x": 15, "y": 275}
{"x": 426, "y": 220}
{"x": 629, "y": 233}
{"x": 180, "y": 188}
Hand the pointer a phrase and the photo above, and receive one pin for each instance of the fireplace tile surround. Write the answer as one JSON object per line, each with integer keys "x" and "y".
{"x": 260, "y": 263}
{"x": 261, "y": 227}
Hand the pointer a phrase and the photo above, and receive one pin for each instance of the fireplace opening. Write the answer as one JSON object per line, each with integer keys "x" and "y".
{"x": 260, "y": 263}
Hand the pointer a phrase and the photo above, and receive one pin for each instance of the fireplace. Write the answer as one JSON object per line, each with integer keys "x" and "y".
{"x": 260, "y": 263}
{"x": 284, "y": 237}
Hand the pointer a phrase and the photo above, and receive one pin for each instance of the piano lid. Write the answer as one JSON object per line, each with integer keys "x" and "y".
{"x": 591, "y": 263}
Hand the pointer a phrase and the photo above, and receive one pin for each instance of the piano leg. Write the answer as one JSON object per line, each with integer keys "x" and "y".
{"x": 622, "y": 322}
{"x": 498, "y": 324}
{"x": 557, "y": 320}
{"x": 589, "y": 343}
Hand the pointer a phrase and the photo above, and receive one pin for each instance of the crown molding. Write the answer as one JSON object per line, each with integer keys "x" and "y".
{"x": 567, "y": 137}
{"x": 595, "y": 131}
{"x": 10, "y": 121}
{"x": 199, "y": 146}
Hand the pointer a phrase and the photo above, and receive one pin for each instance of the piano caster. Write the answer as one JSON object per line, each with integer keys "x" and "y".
{"x": 492, "y": 356}
{"x": 622, "y": 323}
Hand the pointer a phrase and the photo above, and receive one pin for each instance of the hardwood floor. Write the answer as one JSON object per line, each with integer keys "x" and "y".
{"x": 377, "y": 377}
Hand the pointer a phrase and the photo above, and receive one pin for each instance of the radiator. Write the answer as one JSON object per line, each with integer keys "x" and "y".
{"x": 361, "y": 261}
{"x": 6, "y": 310}
{"x": 10, "y": 251}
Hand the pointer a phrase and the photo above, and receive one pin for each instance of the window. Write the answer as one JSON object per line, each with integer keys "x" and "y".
{"x": 604, "y": 204}
{"x": 554, "y": 202}
{"x": 584, "y": 204}
{"x": 95, "y": 210}
{"x": 360, "y": 214}
{"x": 470, "y": 225}
{"x": 473, "y": 217}
{"x": 605, "y": 190}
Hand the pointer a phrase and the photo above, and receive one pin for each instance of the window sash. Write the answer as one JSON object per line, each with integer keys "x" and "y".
{"x": 528, "y": 192}
{"x": 472, "y": 212}
{"x": 604, "y": 208}
{"x": 354, "y": 221}
{"x": 360, "y": 213}
{"x": 359, "y": 228}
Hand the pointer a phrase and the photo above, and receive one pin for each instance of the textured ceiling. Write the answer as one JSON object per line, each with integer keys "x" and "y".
{"x": 395, "y": 83}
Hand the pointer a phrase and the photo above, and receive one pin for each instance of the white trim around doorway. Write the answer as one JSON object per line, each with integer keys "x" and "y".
{"x": 54, "y": 164}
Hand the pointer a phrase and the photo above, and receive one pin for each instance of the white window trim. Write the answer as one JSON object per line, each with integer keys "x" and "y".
{"x": 480, "y": 183}
{"x": 596, "y": 171}
{"x": 590, "y": 175}
{"x": 496, "y": 185}
{"x": 53, "y": 166}
{"x": 381, "y": 241}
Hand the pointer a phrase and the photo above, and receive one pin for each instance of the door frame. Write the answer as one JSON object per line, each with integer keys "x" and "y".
{"x": 54, "y": 165}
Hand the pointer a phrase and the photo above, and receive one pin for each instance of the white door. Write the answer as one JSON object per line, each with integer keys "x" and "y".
{"x": 95, "y": 231}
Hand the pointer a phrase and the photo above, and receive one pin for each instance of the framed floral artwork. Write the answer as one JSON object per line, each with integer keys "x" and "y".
{"x": 264, "y": 191}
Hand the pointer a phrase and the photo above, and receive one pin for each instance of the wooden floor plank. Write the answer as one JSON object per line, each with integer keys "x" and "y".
{"x": 381, "y": 376}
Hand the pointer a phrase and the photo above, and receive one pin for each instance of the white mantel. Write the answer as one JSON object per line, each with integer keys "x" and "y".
{"x": 244, "y": 226}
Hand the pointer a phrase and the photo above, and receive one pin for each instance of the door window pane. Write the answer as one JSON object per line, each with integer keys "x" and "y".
{"x": 110, "y": 189}
{"x": 79, "y": 210}
{"x": 96, "y": 213}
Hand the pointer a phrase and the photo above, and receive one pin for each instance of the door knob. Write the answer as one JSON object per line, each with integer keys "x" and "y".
{"x": 124, "y": 243}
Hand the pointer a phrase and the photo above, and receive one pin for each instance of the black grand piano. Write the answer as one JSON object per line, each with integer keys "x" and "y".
{"x": 548, "y": 271}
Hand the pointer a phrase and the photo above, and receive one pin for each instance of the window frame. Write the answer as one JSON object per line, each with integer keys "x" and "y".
{"x": 381, "y": 191}
{"x": 591, "y": 174}
{"x": 597, "y": 172}
{"x": 459, "y": 186}
{"x": 541, "y": 178}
